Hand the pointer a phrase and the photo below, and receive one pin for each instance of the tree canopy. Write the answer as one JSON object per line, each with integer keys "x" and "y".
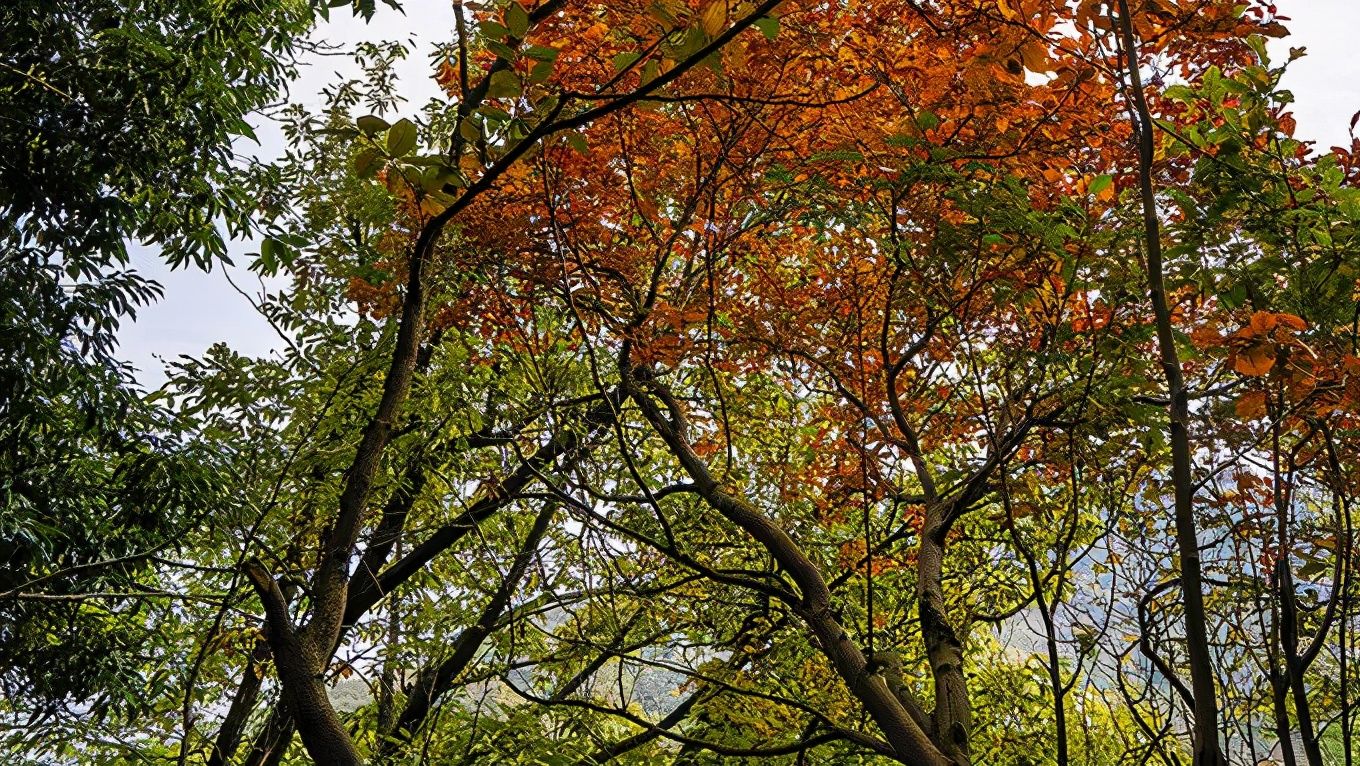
{"x": 711, "y": 382}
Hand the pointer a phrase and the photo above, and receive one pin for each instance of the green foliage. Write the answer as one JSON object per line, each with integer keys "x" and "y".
{"x": 122, "y": 116}
{"x": 119, "y": 128}
{"x": 90, "y": 472}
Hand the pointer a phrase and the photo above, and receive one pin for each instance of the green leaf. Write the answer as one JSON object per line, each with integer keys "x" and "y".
{"x": 370, "y": 124}
{"x": 274, "y": 253}
{"x": 242, "y": 128}
{"x": 432, "y": 179}
{"x": 541, "y": 71}
{"x": 504, "y": 84}
{"x": 1179, "y": 93}
{"x": 693, "y": 42}
{"x": 650, "y": 70}
{"x": 541, "y": 53}
{"x": 517, "y": 20}
{"x": 1312, "y": 569}
{"x": 492, "y": 30}
{"x": 768, "y": 26}
{"x": 1100, "y": 184}
{"x": 401, "y": 138}
{"x": 1234, "y": 296}
{"x": 624, "y": 60}
{"x": 494, "y": 115}
{"x": 1257, "y": 43}
{"x": 501, "y": 50}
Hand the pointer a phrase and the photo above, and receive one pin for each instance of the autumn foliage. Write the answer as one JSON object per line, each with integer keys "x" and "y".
{"x": 869, "y": 269}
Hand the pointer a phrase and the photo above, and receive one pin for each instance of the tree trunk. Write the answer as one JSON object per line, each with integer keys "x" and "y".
{"x": 301, "y": 673}
{"x": 953, "y": 714}
{"x": 899, "y": 727}
{"x": 1206, "y": 743}
{"x": 233, "y": 726}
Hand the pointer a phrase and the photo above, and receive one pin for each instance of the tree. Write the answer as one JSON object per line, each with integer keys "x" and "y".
{"x": 731, "y": 382}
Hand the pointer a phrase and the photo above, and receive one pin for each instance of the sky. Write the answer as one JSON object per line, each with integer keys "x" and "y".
{"x": 202, "y": 308}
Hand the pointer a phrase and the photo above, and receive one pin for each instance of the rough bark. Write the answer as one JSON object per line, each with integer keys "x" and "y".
{"x": 952, "y": 717}
{"x": 304, "y": 691}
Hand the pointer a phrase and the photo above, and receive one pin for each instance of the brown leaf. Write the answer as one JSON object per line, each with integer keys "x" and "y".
{"x": 1291, "y": 321}
{"x": 1252, "y": 404}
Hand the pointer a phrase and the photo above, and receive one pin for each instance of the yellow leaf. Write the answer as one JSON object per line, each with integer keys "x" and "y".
{"x": 431, "y": 206}
{"x": 714, "y": 17}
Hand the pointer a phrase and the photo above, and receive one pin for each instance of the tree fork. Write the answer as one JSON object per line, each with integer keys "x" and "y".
{"x": 899, "y": 726}
{"x": 304, "y": 692}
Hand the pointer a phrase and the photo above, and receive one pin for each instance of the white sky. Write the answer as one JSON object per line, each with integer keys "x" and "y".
{"x": 200, "y": 309}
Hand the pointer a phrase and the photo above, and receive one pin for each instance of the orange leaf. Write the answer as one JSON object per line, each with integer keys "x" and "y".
{"x": 1263, "y": 322}
{"x": 1255, "y": 361}
{"x": 1291, "y": 321}
{"x": 1287, "y": 124}
{"x": 1205, "y": 336}
{"x": 714, "y": 17}
{"x": 1035, "y": 57}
